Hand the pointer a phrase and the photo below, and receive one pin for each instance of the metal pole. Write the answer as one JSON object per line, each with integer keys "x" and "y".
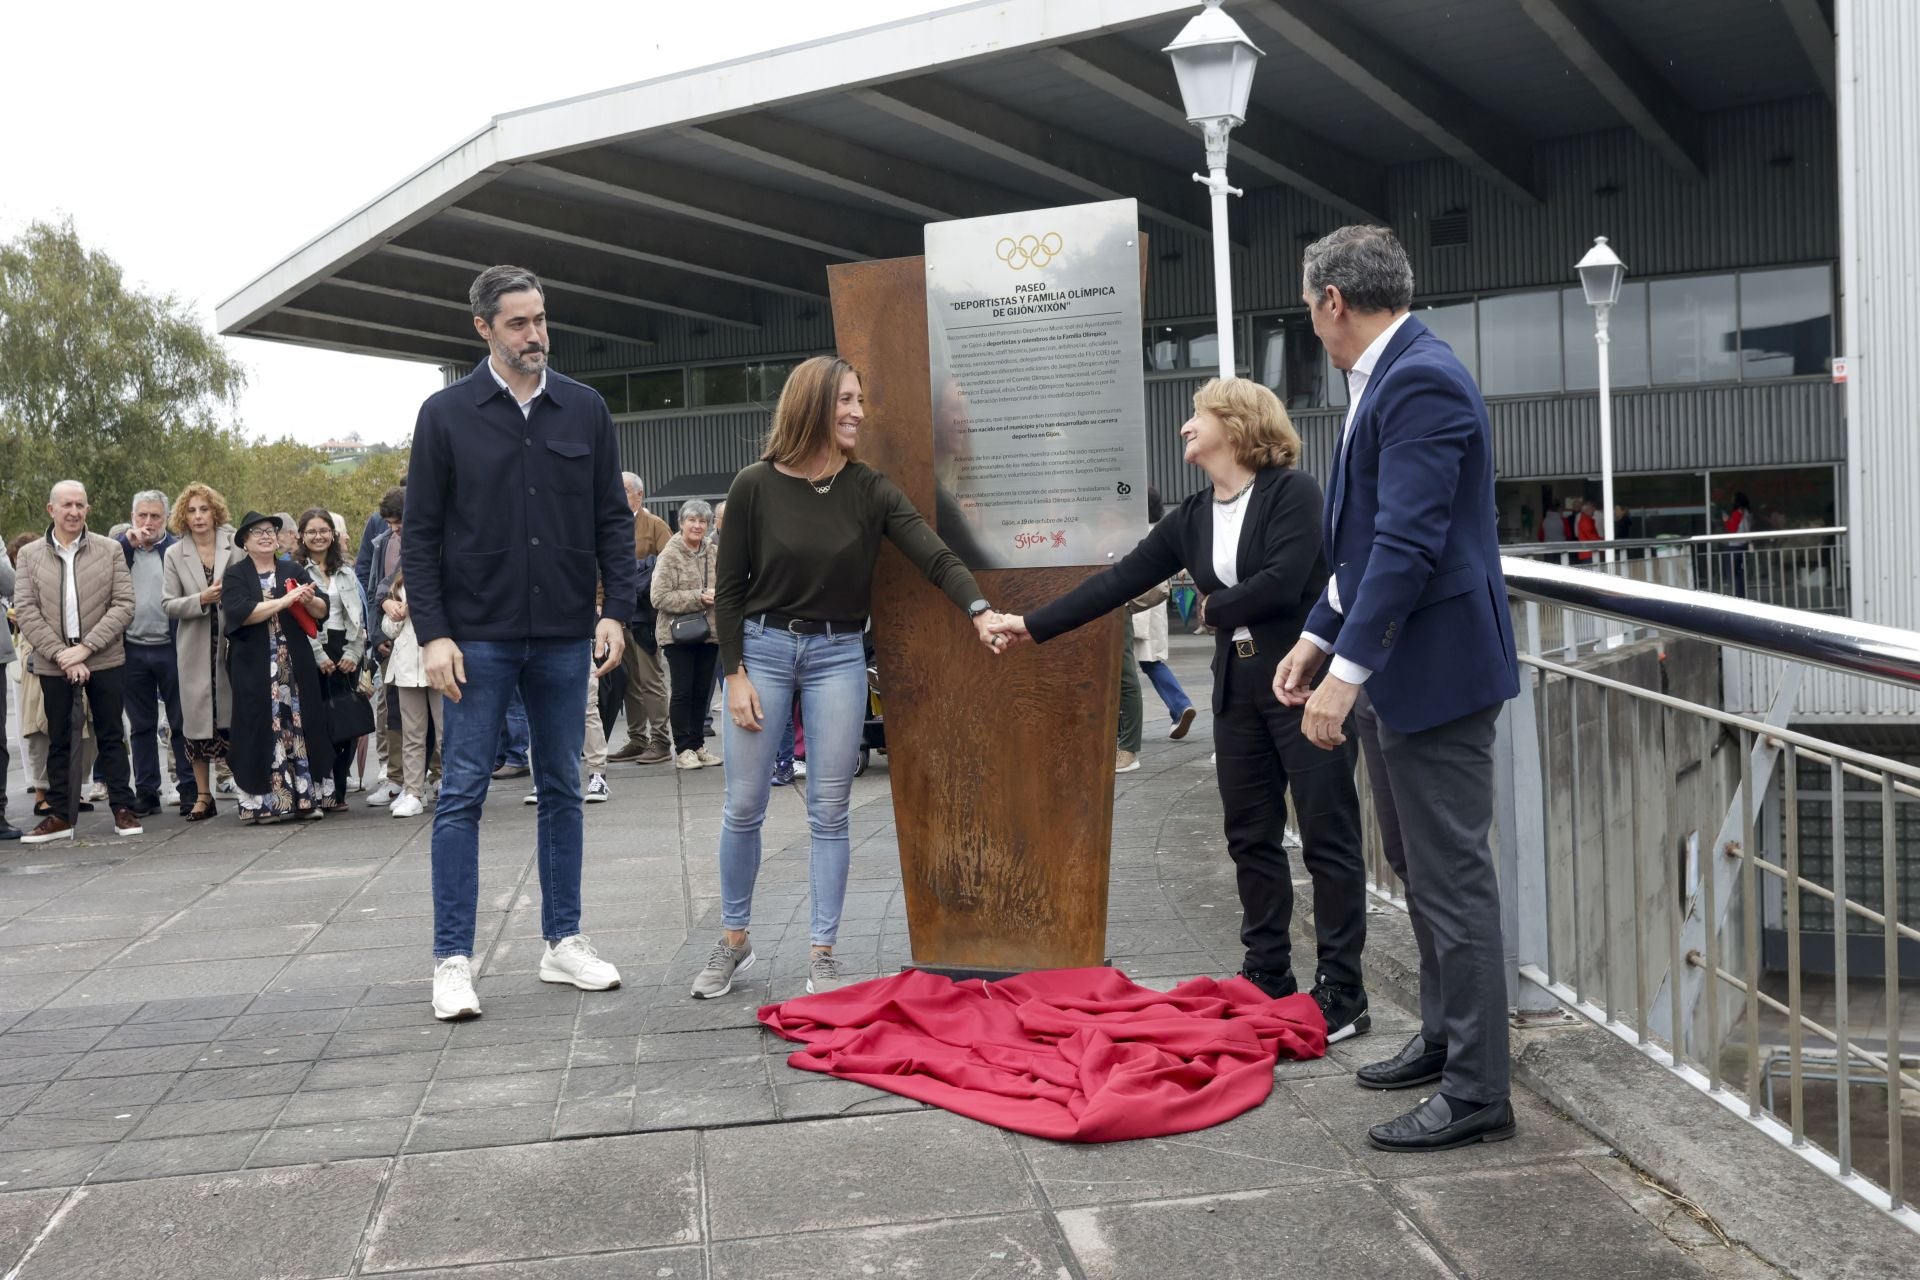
{"x": 1604, "y": 342}
{"x": 1215, "y": 182}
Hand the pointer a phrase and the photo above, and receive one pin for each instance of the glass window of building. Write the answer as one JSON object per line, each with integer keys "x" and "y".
{"x": 766, "y": 381}
{"x": 1287, "y": 357}
{"x": 1452, "y": 323}
{"x": 1189, "y": 345}
{"x": 1786, "y": 322}
{"x": 717, "y": 384}
{"x": 1695, "y": 333}
{"x": 652, "y": 392}
{"x": 612, "y": 388}
{"x": 1626, "y": 331}
{"x": 1519, "y": 344}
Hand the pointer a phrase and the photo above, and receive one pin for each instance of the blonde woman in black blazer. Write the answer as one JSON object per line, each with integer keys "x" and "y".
{"x": 1251, "y": 541}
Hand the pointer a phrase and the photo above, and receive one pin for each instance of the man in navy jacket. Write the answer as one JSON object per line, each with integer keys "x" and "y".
{"x": 515, "y": 511}
{"x": 1415, "y": 617}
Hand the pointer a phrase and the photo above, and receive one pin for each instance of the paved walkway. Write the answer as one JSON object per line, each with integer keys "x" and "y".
{"x": 216, "y": 1060}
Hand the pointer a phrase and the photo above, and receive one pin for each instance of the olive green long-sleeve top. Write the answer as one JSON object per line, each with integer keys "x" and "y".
{"x": 792, "y": 551}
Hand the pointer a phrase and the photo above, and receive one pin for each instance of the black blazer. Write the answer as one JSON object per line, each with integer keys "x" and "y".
{"x": 250, "y": 673}
{"x": 1281, "y": 570}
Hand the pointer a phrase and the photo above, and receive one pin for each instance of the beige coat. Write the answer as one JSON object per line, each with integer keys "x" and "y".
{"x": 104, "y": 586}
{"x": 406, "y": 666}
{"x": 1150, "y": 625}
{"x": 678, "y": 579}
{"x": 198, "y": 646}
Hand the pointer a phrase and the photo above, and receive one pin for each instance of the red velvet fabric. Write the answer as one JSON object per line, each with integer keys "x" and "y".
{"x": 1079, "y": 1055}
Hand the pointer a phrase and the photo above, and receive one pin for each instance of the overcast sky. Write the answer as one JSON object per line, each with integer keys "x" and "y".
{"x": 199, "y": 143}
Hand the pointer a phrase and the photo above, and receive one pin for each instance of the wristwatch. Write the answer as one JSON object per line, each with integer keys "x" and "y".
{"x": 978, "y": 607}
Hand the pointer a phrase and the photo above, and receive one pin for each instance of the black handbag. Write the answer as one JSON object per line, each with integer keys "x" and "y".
{"x": 692, "y": 628}
{"x": 349, "y": 714}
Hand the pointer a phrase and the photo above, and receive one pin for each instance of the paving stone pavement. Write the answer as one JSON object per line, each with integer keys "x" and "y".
{"x": 216, "y": 1060}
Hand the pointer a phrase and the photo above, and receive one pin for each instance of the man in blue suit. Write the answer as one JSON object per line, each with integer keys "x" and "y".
{"x": 1415, "y": 618}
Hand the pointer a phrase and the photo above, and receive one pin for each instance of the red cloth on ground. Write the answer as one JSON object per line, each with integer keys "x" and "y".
{"x": 1081, "y": 1055}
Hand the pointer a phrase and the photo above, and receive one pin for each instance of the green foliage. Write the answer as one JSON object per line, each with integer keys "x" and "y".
{"x": 125, "y": 390}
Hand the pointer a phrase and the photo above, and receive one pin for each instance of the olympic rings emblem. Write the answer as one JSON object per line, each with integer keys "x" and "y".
{"x": 1028, "y": 251}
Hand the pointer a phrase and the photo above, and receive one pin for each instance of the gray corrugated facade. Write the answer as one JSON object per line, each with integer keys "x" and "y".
{"x": 1769, "y": 197}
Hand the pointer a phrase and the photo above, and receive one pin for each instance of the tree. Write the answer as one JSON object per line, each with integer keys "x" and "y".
{"x": 98, "y": 379}
{"x": 124, "y": 390}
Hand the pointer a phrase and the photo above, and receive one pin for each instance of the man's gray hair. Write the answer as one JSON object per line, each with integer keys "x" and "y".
{"x": 633, "y": 482}
{"x": 696, "y": 508}
{"x": 145, "y": 496}
{"x": 53, "y": 494}
{"x": 1366, "y": 264}
{"x": 494, "y": 283}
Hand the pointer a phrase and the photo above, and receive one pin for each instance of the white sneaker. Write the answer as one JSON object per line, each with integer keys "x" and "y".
{"x": 706, "y": 757}
{"x": 94, "y": 791}
{"x": 532, "y": 797}
{"x": 1291, "y": 840}
{"x": 686, "y": 760}
{"x": 453, "y": 995}
{"x": 597, "y": 790}
{"x": 384, "y": 794}
{"x": 226, "y": 786}
{"x": 573, "y": 960}
{"x": 799, "y": 768}
{"x": 170, "y": 795}
{"x": 407, "y": 806}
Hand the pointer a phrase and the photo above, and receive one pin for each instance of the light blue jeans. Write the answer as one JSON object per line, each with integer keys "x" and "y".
{"x": 830, "y": 675}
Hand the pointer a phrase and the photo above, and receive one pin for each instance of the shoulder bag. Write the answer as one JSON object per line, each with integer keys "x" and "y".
{"x": 692, "y": 628}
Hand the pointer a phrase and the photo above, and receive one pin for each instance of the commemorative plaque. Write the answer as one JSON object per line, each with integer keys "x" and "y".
{"x": 1039, "y": 410}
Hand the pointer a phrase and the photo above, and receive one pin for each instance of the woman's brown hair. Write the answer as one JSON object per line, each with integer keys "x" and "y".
{"x": 197, "y": 489}
{"x": 1256, "y": 421}
{"x": 334, "y": 557}
{"x": 803, "y": 420}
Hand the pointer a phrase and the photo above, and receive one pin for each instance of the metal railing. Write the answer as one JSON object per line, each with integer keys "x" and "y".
{"x": 1795, "y": 568}
{"x": 1637, "y": 823}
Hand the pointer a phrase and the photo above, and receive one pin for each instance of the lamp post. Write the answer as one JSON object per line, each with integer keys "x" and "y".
{"x": 1213, "y": 60}
{"x": 1600, "y": 274}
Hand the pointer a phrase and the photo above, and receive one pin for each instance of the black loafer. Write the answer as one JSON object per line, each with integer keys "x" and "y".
{"x": 1431, "y": 1127}
{"x": 1416, "y": 1064}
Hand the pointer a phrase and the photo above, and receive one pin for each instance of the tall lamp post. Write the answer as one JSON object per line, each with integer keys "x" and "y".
{"x": 1213, "y": 60}
{"x": 1601, "y": 272}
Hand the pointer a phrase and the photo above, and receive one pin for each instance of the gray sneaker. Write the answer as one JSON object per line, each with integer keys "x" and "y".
{"x": 726, "y": 961}
{"x": 824, "y": 973}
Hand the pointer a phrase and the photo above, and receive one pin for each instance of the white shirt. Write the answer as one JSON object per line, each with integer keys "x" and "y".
{"x": 1226, "y": 545}
{"x": 1357, "y": 379}
{"x": 526, "y": 406}
{"x": 71, "y": 596}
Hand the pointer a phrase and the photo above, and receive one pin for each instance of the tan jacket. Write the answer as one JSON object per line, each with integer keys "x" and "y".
{"x": 650, "y": 535}
{"x": 678, "y": 579}
{"x": 105, "y": 588}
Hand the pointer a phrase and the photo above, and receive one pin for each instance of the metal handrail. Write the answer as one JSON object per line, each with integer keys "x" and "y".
{"x": 1695, "y": 540}
{"x": 1821, "y": 640}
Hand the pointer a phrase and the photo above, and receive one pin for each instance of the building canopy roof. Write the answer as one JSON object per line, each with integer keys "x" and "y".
{"x": 711, "y": 195}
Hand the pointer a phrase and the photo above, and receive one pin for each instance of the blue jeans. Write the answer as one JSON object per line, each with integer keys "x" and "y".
{"x": 830, "y": 675}
{"x": 548, "y": 676}
{"x": 1167, "y": 685}
{"x": 153, "y": 681}
{"x": 513, "y": 735}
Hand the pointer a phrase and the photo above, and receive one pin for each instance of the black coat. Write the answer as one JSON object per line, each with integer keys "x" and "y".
{"x": 250, "y": 670}
{"x": 1279, "y": 562}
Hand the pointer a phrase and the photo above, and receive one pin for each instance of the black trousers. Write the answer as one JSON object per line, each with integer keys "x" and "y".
{"x": 6, "y": 762}
{"x": 153, "y": 683}
{"x": 106, "y": 702}
{"x": 341, "y": 682}
{"x": 1261, "y": 756}
{"x": 690, "y": 670}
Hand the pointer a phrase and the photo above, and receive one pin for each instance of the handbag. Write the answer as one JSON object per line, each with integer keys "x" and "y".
{"x": 692, "y": 628}
{"x": 349, "y": 714}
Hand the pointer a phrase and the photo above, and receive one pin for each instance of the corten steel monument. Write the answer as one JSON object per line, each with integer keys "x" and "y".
{"x": 1002, "y": 767}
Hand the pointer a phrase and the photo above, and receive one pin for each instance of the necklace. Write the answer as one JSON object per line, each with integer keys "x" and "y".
{"x": 824, "y": 489}
{"x": 1227, "y": 502}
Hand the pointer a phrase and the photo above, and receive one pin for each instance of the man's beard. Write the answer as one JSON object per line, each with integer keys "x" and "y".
{"x": 519, "y": 363}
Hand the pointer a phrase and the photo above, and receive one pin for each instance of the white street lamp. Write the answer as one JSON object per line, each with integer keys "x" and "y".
{"x": 1600, "y": 274}
{"x": 1213, "y": 60}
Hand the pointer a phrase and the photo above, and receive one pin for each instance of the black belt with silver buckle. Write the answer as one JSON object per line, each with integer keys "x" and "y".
{"x": 1245, "y": 649}
{"x": 808, "y": 627}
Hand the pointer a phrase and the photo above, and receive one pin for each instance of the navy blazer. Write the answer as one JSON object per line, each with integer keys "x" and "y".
{"x": 1411, "y": 536}
{"x": 512, "y": 521}
{"x": 1278, "y": 565}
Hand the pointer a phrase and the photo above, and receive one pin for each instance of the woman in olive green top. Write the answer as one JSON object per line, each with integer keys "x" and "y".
{"x": 795, "y": 580}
